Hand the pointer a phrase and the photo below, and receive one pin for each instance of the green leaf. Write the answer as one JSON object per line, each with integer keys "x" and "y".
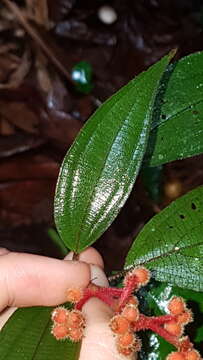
{"x": 152, "y": 180}
{"x": 27, "y": 336}
{"x": 100, "y": 168}
{"x": 154, "y": 347}
{"x": 57, "y": 241}
{"x": 199, "y": 336}
{"x": 177, "y": 128}
{"x": 171, "y": 244}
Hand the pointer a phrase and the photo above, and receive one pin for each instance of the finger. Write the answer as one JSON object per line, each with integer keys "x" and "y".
{"x": 4, "y": 251}
{"x": 90, "y": 255}
{"x": 99, "y": 342}
{"x": 27, "y": 280}
{"x": 96, "y": 273}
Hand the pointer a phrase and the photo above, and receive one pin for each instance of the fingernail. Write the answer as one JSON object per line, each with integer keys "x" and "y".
{"x": 98, "y": 277}
{"x": 69, "y": 256}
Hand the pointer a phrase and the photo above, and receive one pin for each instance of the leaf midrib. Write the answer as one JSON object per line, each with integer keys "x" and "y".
{"x": 87, "y": 146}
{"x": 80, "y": 229}
{"x": 168, "y": 253}
{"x": 40, "y": 338}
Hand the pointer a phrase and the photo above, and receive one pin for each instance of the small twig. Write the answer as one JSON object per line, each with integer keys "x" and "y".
{"x": 117, "y": 276}
{"x": 75, "y": 256}
{"x": 35, "y": 36}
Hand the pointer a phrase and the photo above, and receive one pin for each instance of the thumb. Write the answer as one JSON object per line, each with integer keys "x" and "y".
{"x": 99, "y": 342}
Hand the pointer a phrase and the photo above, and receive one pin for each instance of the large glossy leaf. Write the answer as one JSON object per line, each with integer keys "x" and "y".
{"x": 100, "y": 168}
{"x": 27, "y": 336}
{"x": 171, "y": 244}
{"x": 177, "y": 129}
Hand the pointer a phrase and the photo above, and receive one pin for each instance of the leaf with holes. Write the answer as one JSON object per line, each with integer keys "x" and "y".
{"x": 177, "y": 128}
{"x": 171, "y": 244}
{"x": 100, "y": 168}
{"x": 27, "y": 335}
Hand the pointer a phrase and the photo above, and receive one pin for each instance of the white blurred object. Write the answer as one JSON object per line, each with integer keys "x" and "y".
{"x": 107, "y": 14}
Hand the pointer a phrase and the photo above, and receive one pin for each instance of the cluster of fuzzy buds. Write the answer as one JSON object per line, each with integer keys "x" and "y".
{"x": 127, "y": 319}
{"x": 181, "y": 316}
{"x": 67, "y": 324}
{"x": 122, "y": 326}
{"x": 185, "y": 351}
{"x": 184, "y": 355}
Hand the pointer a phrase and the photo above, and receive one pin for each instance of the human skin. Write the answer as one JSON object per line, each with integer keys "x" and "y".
{"x": 23, "y": 276}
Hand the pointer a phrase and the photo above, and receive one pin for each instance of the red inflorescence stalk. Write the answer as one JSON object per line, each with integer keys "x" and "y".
{"x": 128, "y": 319}
{"x": 107, "y": 295}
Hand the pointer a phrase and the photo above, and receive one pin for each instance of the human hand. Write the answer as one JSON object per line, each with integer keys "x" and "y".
{"x": 30, "y": 280}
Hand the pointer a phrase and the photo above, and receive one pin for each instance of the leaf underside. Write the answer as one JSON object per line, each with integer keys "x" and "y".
{"x": 171, "y": 244}
{"x": 100, "y": 168}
